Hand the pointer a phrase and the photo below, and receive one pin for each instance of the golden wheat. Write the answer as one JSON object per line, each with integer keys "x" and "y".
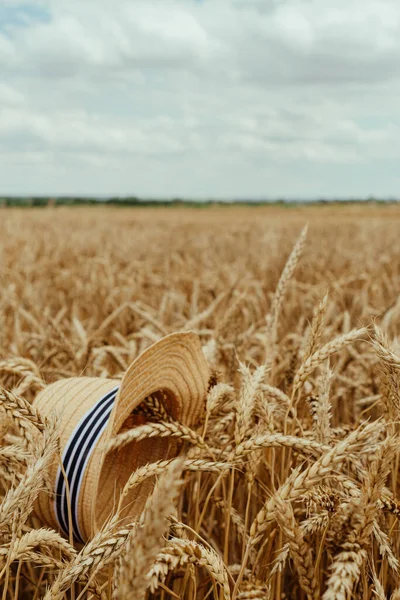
{"x": 288, "y": 487}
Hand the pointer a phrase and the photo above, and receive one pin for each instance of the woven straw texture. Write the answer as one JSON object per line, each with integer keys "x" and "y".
{"x": 174, "y": 366}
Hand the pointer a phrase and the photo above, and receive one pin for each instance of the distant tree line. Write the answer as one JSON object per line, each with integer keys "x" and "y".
{"x": 42, "y": 201}
{"x": 47, "y": 201}
{"x": 115, "y": 201}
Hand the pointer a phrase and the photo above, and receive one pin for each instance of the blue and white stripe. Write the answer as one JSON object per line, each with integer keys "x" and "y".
{"x": 75, "y": 457}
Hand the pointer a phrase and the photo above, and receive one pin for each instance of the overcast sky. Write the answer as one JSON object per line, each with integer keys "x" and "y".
{"x": 206, "y": 98}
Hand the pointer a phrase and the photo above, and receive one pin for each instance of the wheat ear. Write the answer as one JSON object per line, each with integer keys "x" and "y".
{"x": 298, "y": 481}
{"x": 18, "y": 502}
{"x": 23, "y": 415}
{"x": 160, "y": 429}
{"x": 300, "y": 551}
{"x": 250, "y": 386}
{"x": 144, "y": 544}
{"x": 280, "y": 292}
{"x": 103, "y": 549}
{"x": 316, "y": 328}
{"x": 323, "y": 353}
{"x": 183, "y": 552}
{"x": 346, "y": 567}
{"x": 21, "y": 549}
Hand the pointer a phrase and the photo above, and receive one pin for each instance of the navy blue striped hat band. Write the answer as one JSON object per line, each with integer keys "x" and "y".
{"x": 76, "y": 455}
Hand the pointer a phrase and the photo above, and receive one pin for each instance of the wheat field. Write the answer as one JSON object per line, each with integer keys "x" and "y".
{"x": 288, "y": 487}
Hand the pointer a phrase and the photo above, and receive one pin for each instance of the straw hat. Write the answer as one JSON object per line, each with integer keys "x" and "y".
{"x": 92, "y": 410}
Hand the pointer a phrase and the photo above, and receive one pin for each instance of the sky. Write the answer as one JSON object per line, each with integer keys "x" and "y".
{"x": 200, "y": 98}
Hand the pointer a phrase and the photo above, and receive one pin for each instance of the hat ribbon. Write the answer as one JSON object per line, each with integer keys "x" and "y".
{"x": 75, "y": 458}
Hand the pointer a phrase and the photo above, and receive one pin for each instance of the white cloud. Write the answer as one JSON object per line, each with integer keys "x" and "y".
{"x": 169, "y": 97}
